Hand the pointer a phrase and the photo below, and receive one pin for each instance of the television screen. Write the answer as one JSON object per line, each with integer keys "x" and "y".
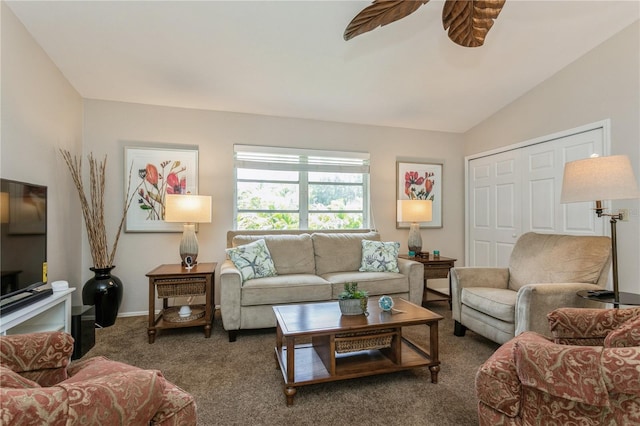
{"x": 23, "y": 243}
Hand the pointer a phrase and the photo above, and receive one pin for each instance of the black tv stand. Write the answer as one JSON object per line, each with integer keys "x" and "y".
{"x": 17, "y": 300}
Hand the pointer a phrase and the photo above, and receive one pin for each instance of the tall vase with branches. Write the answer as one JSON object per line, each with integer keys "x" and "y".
{"x": 104, "y": 290}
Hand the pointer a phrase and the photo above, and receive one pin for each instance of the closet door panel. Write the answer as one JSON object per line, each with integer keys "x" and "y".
{"x": 494, "y": 212}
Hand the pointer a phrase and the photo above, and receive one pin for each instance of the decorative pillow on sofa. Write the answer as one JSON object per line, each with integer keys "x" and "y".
{"x": 379, "y": 256}
{"x": 253, "y": 260}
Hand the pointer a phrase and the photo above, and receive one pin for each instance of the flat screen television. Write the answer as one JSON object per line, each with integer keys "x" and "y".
{"x": 23, "y": 242}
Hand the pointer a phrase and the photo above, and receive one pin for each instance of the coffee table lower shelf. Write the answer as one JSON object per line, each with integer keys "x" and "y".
{"x": 309, "y": 367}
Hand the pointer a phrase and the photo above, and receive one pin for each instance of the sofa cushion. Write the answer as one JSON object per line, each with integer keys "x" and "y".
{"x": 498, "y": 302}
{"x": 253, "y": 260}
{"x": 283, "y": 289}
{"x": 291, "y": 254}
{"x": 567, "y": 259}
{"x": 339, "y": 252}
{"x": 378, "y": 256}
{"x": 374, "y": 283}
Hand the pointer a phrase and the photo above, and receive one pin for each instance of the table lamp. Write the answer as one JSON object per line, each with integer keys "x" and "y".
{"x": 597, "y": 179}
{"x": 190, "y": 209}
{"x": 416, "y": 212}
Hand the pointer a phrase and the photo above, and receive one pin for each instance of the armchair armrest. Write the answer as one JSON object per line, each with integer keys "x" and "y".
{"x": 41, "y": 357}
{"x": 230, "y": 287}
{"x": 580, "y": 326}
{"x": 462, "y": 277}
{"x": 535, "y": 301}
{"x": 415, "y": 274}
{"x": 566, "y": 372}
{"x": 131, "y": 397}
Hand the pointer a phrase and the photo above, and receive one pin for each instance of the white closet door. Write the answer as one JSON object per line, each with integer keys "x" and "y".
{"x": 495, "y": 209}
{"x": 518, "y": 190}
{"x": 542, "y": 172}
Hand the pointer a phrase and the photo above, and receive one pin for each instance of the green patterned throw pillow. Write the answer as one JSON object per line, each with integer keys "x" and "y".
{"x": 253, "y": 260}
{"x": 378, "y": 256}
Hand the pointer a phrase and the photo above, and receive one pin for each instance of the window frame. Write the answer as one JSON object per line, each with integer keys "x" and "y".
{"x": 297, "y": 160}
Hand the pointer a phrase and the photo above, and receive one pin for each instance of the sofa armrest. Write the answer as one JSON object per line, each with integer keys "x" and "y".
{"x": 415, "y": 274}
{"x": 41, "y": 357}
{"x": 230, "y": 293}
{"x": 581, "y": 326}
{"x": 462, "y": 277}
{"x": 535, "y": 301}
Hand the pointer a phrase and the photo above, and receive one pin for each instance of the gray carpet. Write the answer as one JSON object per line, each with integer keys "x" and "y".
{"x": 238, "y": 383}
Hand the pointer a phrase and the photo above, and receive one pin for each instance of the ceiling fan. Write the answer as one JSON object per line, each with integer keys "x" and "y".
{"x": 468, "y": 21}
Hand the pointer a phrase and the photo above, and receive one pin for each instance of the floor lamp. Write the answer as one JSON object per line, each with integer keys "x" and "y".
{"x": 597, "y": 179}
{"x": 416, "y": 212}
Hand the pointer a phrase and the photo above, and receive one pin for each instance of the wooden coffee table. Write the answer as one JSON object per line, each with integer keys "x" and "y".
{"x": 315, "y": 343}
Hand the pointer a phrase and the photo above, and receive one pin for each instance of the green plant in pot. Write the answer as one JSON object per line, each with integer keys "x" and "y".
{"x": 353, "y": 301}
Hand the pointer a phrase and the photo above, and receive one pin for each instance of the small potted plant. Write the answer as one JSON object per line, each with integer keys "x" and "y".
{"x": 353, "y": 301}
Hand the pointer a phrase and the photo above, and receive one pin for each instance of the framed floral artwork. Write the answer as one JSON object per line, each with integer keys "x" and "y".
{"x": 422, "y": 181}
{"x": 156, "y": 172}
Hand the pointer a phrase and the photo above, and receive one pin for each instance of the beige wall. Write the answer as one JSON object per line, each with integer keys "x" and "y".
{"x": 41, "y": 112}
{"x": 604, "y": 83}
{"x": 109, "y": 126}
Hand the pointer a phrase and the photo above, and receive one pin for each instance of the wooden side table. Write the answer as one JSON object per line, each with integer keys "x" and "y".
{"x": 174, "y": 280}
{"x": 434, "y": 267}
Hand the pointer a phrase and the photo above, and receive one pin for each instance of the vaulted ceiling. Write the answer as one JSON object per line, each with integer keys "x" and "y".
{"x": 289, "y": 58}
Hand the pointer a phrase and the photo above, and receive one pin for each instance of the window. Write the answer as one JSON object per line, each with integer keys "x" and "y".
{"x": 285, "y": 188}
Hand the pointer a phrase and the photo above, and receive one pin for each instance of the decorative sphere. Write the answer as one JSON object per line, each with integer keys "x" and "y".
{"x": 385, "y": 303}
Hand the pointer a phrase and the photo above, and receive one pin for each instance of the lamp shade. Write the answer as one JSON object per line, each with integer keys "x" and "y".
{"x": 187, "y": 208}
{"x": 599, "y": 178}
{"x": 415, "y": 210}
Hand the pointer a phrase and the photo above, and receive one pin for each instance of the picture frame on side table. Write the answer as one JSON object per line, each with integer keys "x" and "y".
{"x": 156, "y": 172}
{"x": 424, "y": 180}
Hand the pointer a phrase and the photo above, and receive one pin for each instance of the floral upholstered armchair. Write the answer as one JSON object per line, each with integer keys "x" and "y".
{"x": 38, "y": 386}
{"x": 588, "y": 375}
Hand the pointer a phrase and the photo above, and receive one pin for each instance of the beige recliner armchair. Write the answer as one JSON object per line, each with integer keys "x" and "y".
{"x": 545, "y": 272}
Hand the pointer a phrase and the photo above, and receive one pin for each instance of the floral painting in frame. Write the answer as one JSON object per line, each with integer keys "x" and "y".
{"x": 422, "y": 181}
{"x": 156, "y": 172}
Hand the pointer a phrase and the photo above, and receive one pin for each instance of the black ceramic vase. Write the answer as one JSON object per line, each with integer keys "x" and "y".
{"x": 105, "y": 292}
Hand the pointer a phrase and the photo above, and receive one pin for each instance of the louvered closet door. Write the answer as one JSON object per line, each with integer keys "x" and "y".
{"x": 518, "y": 190}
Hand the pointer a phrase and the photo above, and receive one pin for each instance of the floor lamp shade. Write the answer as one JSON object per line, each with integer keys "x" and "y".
{"x": 597, "y": 179}
{"x": 416, "y": 212}
{"x": 190, "y": 209}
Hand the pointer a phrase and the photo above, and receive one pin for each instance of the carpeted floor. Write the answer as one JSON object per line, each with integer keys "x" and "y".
{"x": 238, "y": 383}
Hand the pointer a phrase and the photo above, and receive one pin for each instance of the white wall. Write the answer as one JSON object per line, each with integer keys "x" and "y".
{"x": 604, "y": 83}
{"x": 41, "y": 112}
{"x": 109, "y": 126}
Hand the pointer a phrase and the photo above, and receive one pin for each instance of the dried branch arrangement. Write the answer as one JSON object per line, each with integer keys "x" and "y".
{"x": 93, "y": 207}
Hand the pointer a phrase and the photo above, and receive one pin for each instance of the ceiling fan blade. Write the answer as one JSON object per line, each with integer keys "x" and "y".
{"x": 469, "y": 21}
{"x": 381, "y": 12}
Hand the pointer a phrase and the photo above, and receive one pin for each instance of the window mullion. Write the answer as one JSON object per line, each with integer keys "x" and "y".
{"x": 303, "y": 190}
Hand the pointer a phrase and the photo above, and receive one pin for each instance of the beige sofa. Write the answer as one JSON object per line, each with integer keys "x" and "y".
{"x": 311, "y": 267}
{"x": 545, "y": 272}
